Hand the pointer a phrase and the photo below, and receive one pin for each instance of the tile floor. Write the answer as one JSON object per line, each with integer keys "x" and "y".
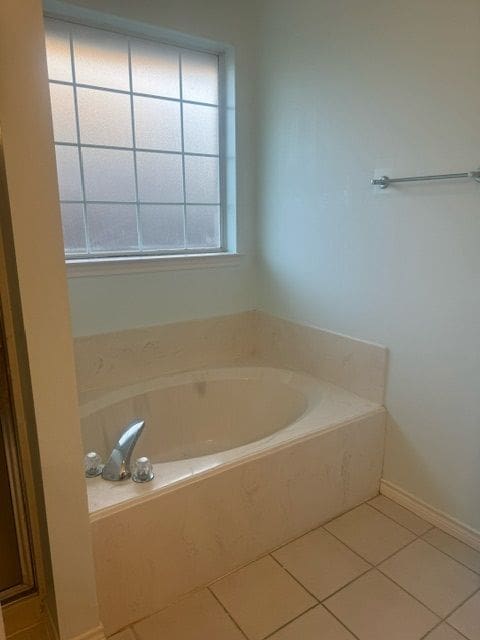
{"x": 378, "y": 572}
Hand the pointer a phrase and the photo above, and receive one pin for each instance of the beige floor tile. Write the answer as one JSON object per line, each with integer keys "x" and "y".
{"x": 321, "y": 562}
{"x": 125, "y": 634}
{"x": 401, "y": 515}
{"x": 454, "y": 548}
{"x": 316, "y": 624}
{"x": 196, "y": 617}
{"x": 444, "y": 632}
{"x": 467, "y": 618}
{"x": 374, "y": 608}
{"x": 262, "y": 597}
{"x": 369, "y": 533}
{"x": 437, "y": 580}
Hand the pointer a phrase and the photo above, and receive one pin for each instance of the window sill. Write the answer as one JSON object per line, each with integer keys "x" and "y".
{"x": 147, "y": 264}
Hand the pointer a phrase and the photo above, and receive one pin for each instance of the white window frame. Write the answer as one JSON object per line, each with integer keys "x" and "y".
{"x": 227, "y": 255}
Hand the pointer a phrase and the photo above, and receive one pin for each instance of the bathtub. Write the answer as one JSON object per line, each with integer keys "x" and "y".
{"x": 245, "y": 458}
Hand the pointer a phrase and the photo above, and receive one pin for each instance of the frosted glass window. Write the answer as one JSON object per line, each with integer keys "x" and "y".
{"x": 157, "y": 124}
{"x": 105, "y": 118}
{"x": 101, "y": 58}
{"x": 58, "y": 51}
{"x": 202, "y": 180}
{"x": 203, "y": 227}
{"x": 109, "y": 175}
{"x": 160, "y": 177}
{"x": 155, "y": 69}
{"x": 137, "y": 129}
{"x": 63, "y": 113}
{"x": 200, "y": 129}
{"x": 112, "y": 227}
{"x": 162, "y": 226}
{"x": 200, "y": 77}
{"x": 68, "y": 171}
{"x": 73, "y": 224}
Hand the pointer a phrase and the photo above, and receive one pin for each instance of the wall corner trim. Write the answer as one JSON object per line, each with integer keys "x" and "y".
{"x": 440, "y": 519}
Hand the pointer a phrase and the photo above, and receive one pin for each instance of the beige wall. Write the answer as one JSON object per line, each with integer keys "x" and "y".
{"x": 351, "y": 89}
{"x": 30, "y": 168}
{"x": 102, "y": 304}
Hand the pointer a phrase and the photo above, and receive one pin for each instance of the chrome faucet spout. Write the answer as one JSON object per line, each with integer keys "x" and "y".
{"x": 118, "y": 464}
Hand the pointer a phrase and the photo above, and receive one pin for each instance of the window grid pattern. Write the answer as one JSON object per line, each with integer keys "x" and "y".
{"x": 208, "y": 236}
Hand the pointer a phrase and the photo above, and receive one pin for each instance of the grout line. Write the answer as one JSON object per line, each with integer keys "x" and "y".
{"x": 449, "y": 554}
{"x": 367, "y": 504}
{"x": 278, "y": 547}
{"x": 347, "y": 584}
{"x": 446, "y": 523}
{"x": 314, "y": 606}
{"x": 450, "y": 626}
{"x": 437, "y": 626}
{"x": 294, "y": 578}
{"x": 438, "y": 615}
{"x": 395, "y": 552}
{"x": 318, "y": 526}
{"x": 431, "y": 526}
{"x": 421, "y": 536}
{"x": 334, "y": 615}
{"x": 228, "y": 613}
{"x": 182, "y": 597}
{"x": 431, "y": 630}
{"x": 321, "y": 601}
{"x": 373, "y": 564}
{"x": 461, "y": 605}
{"x": 135, "y": 634}
{"x": 128, "y": 627}
{"x": 375, "y": 568}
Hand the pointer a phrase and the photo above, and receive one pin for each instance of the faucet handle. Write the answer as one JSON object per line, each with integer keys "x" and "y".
{"x": 92, "y": 464}
{"x": 143, "y": 470}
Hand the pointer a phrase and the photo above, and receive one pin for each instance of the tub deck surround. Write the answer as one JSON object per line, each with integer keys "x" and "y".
{"x": 168, "y": 541}
{"x": 251, "y": 448}
{"x": 355, "y": 365}
{"x": 112, "y": 360}
{"x": 205, "y": 438}
{"x": 109, "y": 361}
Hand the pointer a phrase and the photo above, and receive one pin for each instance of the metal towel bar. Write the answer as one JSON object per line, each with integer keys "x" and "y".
{"x": 385, "y": 181}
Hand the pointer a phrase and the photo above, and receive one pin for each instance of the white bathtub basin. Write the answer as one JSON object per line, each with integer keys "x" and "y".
{"x": 195, "y": 414}
{"x": 203, "y": 422}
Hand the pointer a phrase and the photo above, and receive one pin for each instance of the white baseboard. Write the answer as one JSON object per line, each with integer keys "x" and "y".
{"x": 443, "y": 521}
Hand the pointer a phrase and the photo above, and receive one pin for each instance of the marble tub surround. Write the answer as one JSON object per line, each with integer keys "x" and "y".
{"x": 172, "y": 541}
{"x": 107, "y": 361}
{"x": 111, "y": 360}
{"x": 355, "y": 365}
{"x": 301, "y": 407}
{"x": 219, "y": 503}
